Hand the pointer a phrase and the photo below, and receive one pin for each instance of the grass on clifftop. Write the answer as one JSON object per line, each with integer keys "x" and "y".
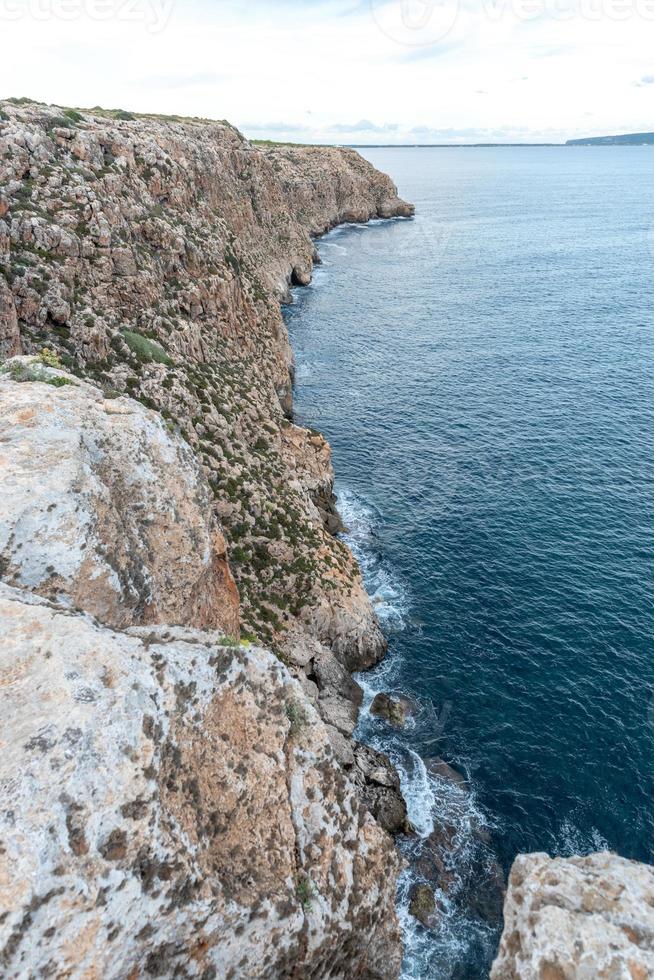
{"x": 273, "y": 143}
{"x": 75, "y": 114}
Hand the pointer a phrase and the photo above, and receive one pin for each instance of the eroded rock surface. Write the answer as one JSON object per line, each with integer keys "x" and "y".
{"x": 104, "y": 509}
{"x": 151, "y": 253}
{"x": 578, "y": 918}
{"x": 172, "y": 806}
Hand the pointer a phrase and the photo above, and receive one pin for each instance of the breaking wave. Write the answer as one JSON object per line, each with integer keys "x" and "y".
{"x": 450, "y": 848}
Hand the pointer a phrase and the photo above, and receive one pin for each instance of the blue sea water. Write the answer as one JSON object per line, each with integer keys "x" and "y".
{"x": 485, "y": 375}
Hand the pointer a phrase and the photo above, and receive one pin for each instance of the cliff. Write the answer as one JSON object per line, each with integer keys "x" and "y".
{"x": 171, "y": 804}
{"x": 577, "y": 917}
{"x": 151, "y": 255}
{"x": 180, "y": 795}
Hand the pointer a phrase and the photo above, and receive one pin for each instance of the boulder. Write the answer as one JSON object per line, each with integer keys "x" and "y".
{"x": 379, "y": 788}
{"x": 422, "y": 905}
{"x": 392, "y": 710}
{"x": 572, "y": 918}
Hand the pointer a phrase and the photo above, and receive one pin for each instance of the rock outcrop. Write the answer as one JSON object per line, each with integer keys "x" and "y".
{"x": 171, "y": 807}
{"x": 103, "y": 509}
{"x": 170, "y": 801}
{"x": 577, "y": 918}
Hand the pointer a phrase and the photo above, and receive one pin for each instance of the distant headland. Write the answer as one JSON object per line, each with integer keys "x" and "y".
{"x": 627, "y": 139}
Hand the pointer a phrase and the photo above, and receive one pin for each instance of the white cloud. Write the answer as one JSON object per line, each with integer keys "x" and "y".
{"x": 345, "y": 70}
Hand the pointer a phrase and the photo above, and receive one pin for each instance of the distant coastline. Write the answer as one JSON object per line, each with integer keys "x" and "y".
{"x": 627, "y": 139}
{"x": 427, "y": 146}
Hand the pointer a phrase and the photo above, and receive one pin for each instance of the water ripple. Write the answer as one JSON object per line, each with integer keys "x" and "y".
{"x": 485, "y": 375}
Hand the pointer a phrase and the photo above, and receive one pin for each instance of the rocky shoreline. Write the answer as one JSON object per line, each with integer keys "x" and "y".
{"x": 155, "y": 481}
{"x": 181, "y": 793}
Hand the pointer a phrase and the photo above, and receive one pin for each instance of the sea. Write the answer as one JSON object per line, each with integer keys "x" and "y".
{"x": 484, "y": 373}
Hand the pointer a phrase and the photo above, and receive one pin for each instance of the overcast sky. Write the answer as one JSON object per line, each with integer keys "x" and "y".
{"x": 367, "y": 71}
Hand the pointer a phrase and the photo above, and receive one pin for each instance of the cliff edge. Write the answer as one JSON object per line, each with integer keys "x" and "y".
{"x": 171, "y": 804}
{"x": 572, "y": 918}
{"x": 180, "y": 795}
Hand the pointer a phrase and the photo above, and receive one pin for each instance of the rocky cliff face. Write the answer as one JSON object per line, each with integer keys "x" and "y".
{"x": 175, "y": 803}
{"x": 171, "y": 804}
{"x": 151, "y": 255}
{"x": 568, "y": 919}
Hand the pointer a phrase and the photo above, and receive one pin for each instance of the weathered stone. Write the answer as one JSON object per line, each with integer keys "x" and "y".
{"x": 379, "y": 787}
{"x": 171, "y": 807}
{"x": 572, "y": 918}
{"x": 105, "y": 510}
{"x": 9, "y": 333}
{"x": 422, "y": 906}
{"x": 390, "y": 709}
{"x": 332, "y": 678}
{"x": 341, "y": 746}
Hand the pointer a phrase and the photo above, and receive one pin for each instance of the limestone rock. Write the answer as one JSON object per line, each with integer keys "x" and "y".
{"x": 333, "y": 185}
{"x": 9, "y": 333}
{"x": 170, "y": 806}
{"x": 392, "y": 710}
{"x": 151, "y": 254}
{"x": 106, "y": 510}
{"x": 379, "y": 788}
{"x": 576, "y": 918}
{"x": 422, "y": 905}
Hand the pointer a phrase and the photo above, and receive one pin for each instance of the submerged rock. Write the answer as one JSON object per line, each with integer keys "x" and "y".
{"x": 572, "y": 918}
{"x": 392, "y": 710}
{"x": 438, "y": 767}
{"x": 422, "y": 906}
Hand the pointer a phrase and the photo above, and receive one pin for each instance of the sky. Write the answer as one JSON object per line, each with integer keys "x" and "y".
{"x": 346, "y": 71}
